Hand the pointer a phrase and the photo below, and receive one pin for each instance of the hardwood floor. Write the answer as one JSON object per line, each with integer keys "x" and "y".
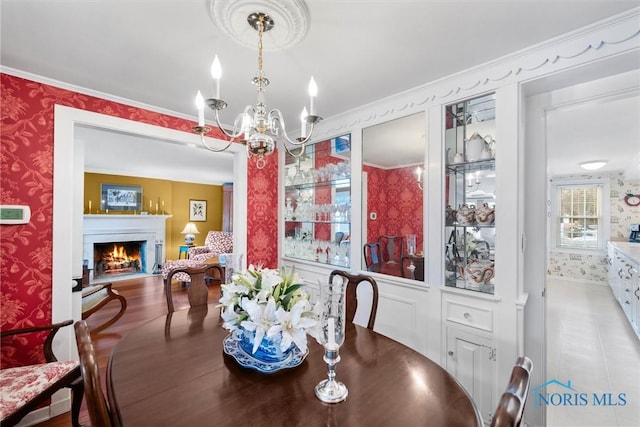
{"x": 145, "y": 301}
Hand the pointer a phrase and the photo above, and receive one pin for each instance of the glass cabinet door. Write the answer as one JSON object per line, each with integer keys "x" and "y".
{"x": 317, "y": 210}
{"x": 470, "y": 179}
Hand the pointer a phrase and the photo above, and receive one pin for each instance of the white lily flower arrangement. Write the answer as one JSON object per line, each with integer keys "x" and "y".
{"x": 269, "y": 303}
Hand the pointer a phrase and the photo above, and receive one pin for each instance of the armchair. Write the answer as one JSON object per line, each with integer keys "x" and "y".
{"x": 26, "y": 387}
{"x": 216, "y": 242}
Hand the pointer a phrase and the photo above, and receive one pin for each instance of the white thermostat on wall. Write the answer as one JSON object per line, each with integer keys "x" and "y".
{"x": 14, "y": 214}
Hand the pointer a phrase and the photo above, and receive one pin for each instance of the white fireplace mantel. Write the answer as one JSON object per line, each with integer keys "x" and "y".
{"x": 111, "y": 228}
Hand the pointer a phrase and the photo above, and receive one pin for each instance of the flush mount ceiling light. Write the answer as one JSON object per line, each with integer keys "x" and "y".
{"x": 257, "y": 127}
{"x": 593, "y": 165}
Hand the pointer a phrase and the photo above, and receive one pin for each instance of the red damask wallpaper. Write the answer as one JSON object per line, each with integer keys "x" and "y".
{"x": 26, "y": 177}
{"x": 397, "y": 201}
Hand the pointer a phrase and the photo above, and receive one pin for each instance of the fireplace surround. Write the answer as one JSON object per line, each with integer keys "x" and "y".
{"x": 146, "y": 231}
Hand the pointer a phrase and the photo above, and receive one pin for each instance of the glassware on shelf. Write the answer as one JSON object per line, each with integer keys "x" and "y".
{"x": 332, "y": 324}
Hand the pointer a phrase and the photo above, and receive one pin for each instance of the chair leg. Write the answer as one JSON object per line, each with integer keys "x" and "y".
{"x": 77, "y": 391}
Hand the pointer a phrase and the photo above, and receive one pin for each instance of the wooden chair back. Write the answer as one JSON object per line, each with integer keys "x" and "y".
{"x": 372, "y": 254}
{"x": 99, "y": 412}
{"x": 392, "y": 248}
{"x": 198, "y": 291}
{"x": 506, "y": 414}
{"x": 359, "y": 297}
{"x": 512, "y": 403}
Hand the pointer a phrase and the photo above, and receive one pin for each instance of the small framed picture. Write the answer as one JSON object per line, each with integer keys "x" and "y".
{"x": 197, "y": 210}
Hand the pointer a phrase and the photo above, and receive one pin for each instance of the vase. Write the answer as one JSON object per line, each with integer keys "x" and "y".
{"x": 268, "y": 351}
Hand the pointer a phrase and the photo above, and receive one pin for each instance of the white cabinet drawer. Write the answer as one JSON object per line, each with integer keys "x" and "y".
{"x": 468, "y": 315}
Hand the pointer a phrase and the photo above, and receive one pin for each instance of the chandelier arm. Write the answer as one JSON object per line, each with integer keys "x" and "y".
{"x": 208, "y": 147}
{"x": 300, "y": 153}
{"x": 275, "y": 116}
{"x": 231, "y": 135}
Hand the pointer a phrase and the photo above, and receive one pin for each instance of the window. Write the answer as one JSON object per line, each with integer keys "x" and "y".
{"x": 579, "y": 220}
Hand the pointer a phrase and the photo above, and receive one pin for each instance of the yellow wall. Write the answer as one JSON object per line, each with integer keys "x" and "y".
{"x": 175, "y": 196}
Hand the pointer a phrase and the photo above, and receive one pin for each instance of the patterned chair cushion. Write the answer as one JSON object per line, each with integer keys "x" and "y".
{"x": 217, "y": 242}
{"x": 180, "y": 263}
{"x": 20, "y": 385}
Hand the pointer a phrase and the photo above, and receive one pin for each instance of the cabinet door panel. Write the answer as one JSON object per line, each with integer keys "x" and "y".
{"x": 469, "y": 360}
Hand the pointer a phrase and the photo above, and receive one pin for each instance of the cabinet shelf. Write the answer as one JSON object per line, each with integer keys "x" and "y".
{"x": 467, "y": 167}
{"x": 454, "y": 225}
{"x": 317, "y": 203}
{"x": 300, "y": 221}
{"x": 320, "y": 184}
{"x": 470, "y": 189}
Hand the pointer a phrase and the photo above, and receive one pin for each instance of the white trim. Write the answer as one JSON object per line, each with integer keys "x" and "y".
{"x": 68, "y": 173}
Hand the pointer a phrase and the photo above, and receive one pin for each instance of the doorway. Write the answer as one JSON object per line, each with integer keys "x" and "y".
{"x": 68, "y": 187}
{"x": 575, "y": 92}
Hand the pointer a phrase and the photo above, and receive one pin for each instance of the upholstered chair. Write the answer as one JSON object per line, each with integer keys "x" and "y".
{"x": 25, "y": 388}
{"x": 216, "y": 243}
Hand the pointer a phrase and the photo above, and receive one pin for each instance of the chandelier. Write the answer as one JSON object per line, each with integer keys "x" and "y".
{"x": 255, "y": 127}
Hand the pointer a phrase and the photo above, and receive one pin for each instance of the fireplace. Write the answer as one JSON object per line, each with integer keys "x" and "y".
{"x": 118, "y": 258}
{"x": 118, "y": 247}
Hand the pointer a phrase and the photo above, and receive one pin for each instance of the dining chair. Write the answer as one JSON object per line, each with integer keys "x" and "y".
{"x": 372, "y": 254}
{"x": 362, "y": 300}
{"x": 197, "y": 290}
{"x": 26, "y": 388}
{"x": 392, "y": 248}
{"x": 100, "y": 413}
{"x": 512, "y": 403}
{"x": 97, "y": 296}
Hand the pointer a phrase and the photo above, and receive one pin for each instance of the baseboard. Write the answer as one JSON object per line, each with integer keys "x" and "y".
{"x": 60, "y": 403}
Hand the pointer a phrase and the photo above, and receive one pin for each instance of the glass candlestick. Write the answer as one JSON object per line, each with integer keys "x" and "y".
{"x": 332, "y": 337}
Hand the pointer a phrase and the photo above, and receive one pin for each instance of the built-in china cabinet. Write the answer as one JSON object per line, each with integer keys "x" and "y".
{"x": 317, "y": 209}
{"x": 474, "y": 210}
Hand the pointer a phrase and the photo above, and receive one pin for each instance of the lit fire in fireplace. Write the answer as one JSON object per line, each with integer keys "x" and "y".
{"x": 120, "y": 254}
{"x": 117, "y": 261}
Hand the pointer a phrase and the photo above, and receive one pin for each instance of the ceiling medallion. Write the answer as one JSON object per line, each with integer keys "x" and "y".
{"x": 291, "y": 19}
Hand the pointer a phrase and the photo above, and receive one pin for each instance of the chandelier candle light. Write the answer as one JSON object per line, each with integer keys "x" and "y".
{"x": 254, "y": 127}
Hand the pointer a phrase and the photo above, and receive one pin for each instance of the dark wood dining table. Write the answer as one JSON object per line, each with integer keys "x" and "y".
{"x": 172, "y": 371}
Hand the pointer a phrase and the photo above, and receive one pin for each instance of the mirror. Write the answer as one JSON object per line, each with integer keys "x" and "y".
{"x": 392, "y": 189}
{"x": 318, "y": 202}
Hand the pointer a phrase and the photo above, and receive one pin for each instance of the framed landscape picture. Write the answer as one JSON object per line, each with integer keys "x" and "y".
{"x": 197, "y": 210}
{"x": 121, "y": 197}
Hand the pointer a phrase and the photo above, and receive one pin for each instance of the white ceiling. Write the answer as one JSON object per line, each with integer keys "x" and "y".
{"x": 159, "y": 52}
{"x": 602, "y": 129}
{"x": 119, "y": 153}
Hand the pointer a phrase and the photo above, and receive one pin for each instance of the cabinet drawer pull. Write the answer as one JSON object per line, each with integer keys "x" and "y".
{"x": 450, "y": 353}
{"x": 467, "y": 316}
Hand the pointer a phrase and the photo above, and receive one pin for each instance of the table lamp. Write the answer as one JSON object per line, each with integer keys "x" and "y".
{"x": 189, "y": 230}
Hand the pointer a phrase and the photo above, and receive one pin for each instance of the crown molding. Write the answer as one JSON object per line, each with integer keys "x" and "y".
{"x": 90, "y": 92}
{"x": 613, "y": 36}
